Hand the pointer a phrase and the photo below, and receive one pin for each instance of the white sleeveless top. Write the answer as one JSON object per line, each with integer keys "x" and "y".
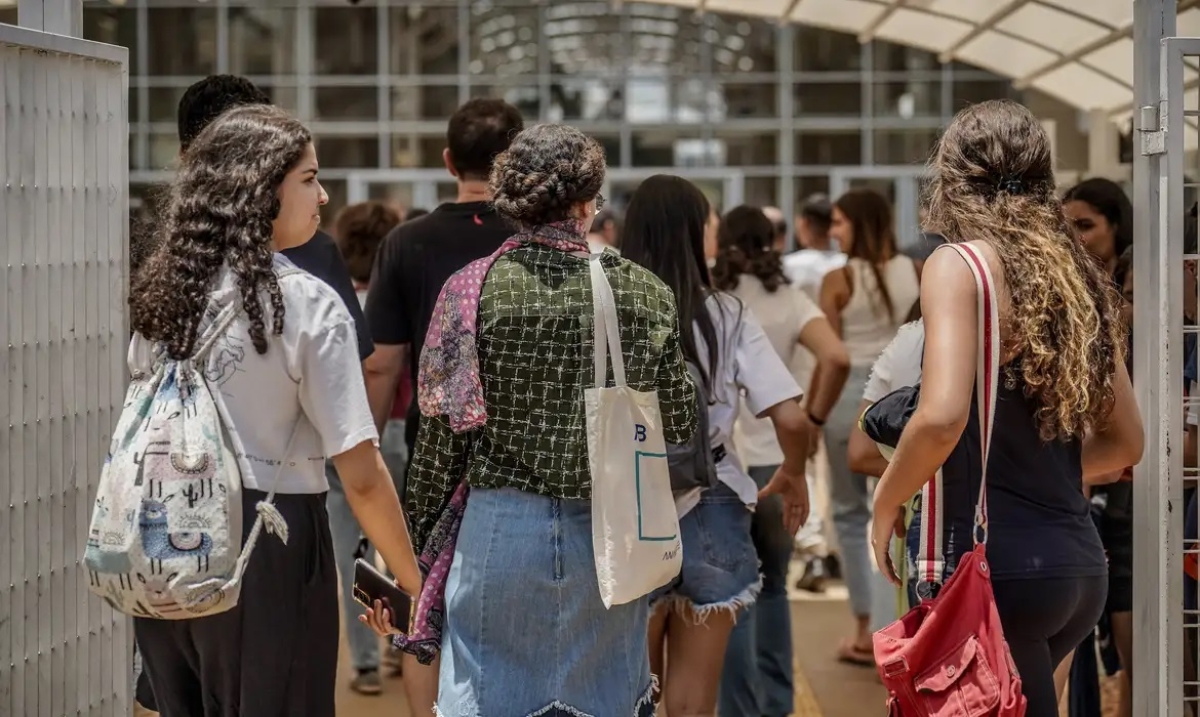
{"x": 866, "y": 327}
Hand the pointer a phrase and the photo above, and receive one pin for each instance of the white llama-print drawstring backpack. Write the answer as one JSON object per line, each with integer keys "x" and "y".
{"x": 165, "y": 539}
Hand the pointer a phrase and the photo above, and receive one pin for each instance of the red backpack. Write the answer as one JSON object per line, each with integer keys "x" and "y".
{"x": 947, "y": 656}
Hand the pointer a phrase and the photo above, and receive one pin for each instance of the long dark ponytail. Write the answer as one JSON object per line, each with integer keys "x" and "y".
{"x": 664, "y": 232}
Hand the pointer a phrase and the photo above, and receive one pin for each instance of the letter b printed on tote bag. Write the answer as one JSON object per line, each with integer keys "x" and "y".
{"x": 635, "y": 529}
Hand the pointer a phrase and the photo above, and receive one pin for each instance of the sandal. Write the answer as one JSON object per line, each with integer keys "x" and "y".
{"x": 852, "y": 654}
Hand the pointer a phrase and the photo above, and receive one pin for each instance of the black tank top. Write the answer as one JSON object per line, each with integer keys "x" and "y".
{"x": 1039, "y": 520}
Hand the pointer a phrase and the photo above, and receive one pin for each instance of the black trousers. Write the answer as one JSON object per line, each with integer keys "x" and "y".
{"x": 275, "y": 654}
{"x": 1044, "y": 620}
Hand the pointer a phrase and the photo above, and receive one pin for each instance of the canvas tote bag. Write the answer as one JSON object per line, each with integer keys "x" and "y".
{"x": 635, "y": 531}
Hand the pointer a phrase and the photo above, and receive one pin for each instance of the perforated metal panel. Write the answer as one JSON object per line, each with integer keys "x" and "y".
{"x": 63, "y": 248}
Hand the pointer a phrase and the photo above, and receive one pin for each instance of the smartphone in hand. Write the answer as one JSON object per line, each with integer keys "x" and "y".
{"x": 371, "y": 585}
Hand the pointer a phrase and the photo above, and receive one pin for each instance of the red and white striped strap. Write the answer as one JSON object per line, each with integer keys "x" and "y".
{"x": 931, "y": 559}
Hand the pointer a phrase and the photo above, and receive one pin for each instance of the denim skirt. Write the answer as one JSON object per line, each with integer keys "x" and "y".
{"x": 526, "y": 633}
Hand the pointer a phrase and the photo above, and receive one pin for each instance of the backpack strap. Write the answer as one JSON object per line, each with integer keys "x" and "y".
{"x": 931, "y": 559}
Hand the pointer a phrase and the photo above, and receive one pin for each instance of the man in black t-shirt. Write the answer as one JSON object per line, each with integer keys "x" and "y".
{"x": 206, "y": 100}
{"x": 418, "y": 256}
{"x": 413, "y": 262}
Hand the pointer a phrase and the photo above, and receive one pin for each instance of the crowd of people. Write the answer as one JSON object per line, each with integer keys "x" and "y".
{"x": 419, "y": 353}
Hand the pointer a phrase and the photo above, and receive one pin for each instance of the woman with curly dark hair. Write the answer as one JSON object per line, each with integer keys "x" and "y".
{"x": 757, "y": 679}
{"x": 501, "y": 391}
{"x": 1064, "y": 407}
{"x": 287, "y": 373}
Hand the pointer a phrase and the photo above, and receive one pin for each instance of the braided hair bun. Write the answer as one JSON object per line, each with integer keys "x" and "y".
{"x": 547, "y": 170}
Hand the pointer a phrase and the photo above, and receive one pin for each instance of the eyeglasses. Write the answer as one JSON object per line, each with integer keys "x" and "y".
{"x": 599, "y": 202}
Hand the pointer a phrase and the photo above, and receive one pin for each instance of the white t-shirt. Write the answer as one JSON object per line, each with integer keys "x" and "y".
{"x": 310, "y": 378}
{"x": 807, "y": 268}
{"x": 783, "y": 314}
{"x": 900, "y": 363}
{"x": 747, "y": 365}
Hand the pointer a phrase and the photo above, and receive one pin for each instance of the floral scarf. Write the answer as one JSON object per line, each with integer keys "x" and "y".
{"x": 448, "y": 384}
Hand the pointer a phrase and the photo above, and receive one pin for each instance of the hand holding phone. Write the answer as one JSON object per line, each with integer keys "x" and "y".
{"x": 390, "y": 610}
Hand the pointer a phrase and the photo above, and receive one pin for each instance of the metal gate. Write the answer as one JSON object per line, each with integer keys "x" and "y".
{"x": 1166, "y": 620}
{"x": 63, "y": 237}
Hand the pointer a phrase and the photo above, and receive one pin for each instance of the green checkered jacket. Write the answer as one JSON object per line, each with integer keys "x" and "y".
{"x": 535, "y": 361}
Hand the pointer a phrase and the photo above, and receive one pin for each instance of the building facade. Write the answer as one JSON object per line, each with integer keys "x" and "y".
{"x": 752, "y": 110}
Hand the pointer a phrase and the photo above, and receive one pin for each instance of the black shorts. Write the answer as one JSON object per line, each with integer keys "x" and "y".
{"x": 275, "y": 654}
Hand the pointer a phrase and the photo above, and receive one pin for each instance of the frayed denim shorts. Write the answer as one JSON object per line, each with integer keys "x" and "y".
{"x": 720, "y": 565}
{"x": 526, "y": 633}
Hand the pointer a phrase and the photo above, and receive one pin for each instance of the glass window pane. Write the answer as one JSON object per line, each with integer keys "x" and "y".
{"x": 821, "y": 50}
{"x": 427, "y": 102}
{"x": 336, "y": 189}
{"x": 415, "y": 151}
{"x": 352, "y": 103}
{"x": 526, "y": 98}
{"x": 423, "y": 40}
{"x": 808, "y": 185}
{"x": 671, "y": 100}
{"x": 585, "y": 98}
{"x": 759, "y": 100}
{"x": 743, "y": 44}
{"x": 762, "y": 191}
{"x": 916, "y": 98}
{"x": 164, "y": 103}
{"x": 110, "y": 25}
{"x": 346, "y": 40}
{"x": 353, "y": 152}
{"x": 580, "y": 37}
{"x": 8, "y": 15}
{"x": 908, "y": 146}
{"x": 612, "y": 148}
{"x": 504, "y": 40}
{"x": 663, "y": 38}
{"x": 184, "y": 41}
{"x": 750, "y": 149}
{"x": 669, "y": 147}
{"x": 164, "y": 150}
{"x": 829, "y": 148}
{"x": 969, "y": 92}
{"x": 262, "y": 41}
{"x": 284, "y": 97}
{"x": 890, "y": 57}
{"x": 827, "y": 99}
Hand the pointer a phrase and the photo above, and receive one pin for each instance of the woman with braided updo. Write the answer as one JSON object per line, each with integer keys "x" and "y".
{"x": 279, "y": 350}
{"x": 1064, "y": 406}
{"x": 501, "y": 391}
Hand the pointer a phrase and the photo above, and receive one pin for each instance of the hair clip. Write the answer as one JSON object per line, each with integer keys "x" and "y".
{"x": 1011, "y": 185}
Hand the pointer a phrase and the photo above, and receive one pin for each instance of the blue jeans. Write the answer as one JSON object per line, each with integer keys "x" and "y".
{"x": 526, "y": 632}
{"x": 757, "y": 680}
{"x": 364, "y": 645}
{"x": 849, "y": 498}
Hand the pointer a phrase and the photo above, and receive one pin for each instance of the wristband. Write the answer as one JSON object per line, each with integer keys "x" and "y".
{"x": 818, "y": 422}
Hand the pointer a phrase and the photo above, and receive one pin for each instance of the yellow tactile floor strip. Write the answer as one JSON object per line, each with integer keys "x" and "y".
{"x": 806, "y": 703}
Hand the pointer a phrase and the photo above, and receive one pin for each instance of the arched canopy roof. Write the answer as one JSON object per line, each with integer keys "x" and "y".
{"x": 1080, "y": 51}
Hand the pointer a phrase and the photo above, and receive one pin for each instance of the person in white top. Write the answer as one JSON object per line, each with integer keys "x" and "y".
{"x": 817, "y": 254}
{"x": 758, "y": 675}
{"x": 246, "y": 190}
{"x": 866, "y": 301}
{"x": 693, "y": 615}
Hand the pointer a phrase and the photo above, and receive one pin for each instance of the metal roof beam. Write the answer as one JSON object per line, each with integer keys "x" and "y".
{"x": 1023, "y": 82}
{"x": 869, "y": 31}
{"x": 987, "y": 24}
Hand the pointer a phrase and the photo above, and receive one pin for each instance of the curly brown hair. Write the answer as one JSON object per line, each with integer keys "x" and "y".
{"x": 548, "y": 169}
{"x": 220, "y": 210}
{"x": 745, "y": 241}
{"x": 359, "y": 229}
{"x": 993, "y": 180}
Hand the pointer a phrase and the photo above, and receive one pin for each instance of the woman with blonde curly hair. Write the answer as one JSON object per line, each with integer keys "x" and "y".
{"x": 1065, "y": 406}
